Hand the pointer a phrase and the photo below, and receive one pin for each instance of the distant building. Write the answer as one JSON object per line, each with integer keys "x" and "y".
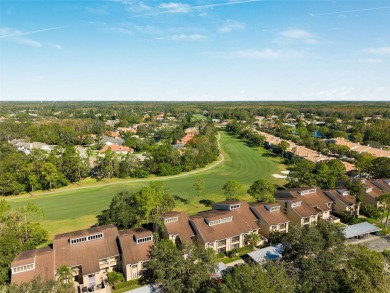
{"x": 118, "y": 149}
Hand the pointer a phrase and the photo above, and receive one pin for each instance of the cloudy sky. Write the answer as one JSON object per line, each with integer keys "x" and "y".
{"x": 194, "y": 50}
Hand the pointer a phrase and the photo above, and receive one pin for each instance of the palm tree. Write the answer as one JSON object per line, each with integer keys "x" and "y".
{"x": 252, "y": 239}
{"x": 65, "y": 274}
{"x": 385, "y": 200}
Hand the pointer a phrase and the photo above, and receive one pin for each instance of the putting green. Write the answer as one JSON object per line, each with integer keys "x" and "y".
{"x": 77, "y": 209}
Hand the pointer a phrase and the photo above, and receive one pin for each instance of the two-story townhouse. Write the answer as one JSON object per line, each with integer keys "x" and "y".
{"x": 90, "y": 253}
{"x": 374, "y": 188}
{"x": 270, "y": 218}
{"x": 343, "y": 201}
{"x": 299, "y": 212}
{"x": 176, "y": 227}
{"x": 31, "y": 264}
{"x": 226, "y": 227}
{"x": 312, "y": 196}
{"x": 134, "y": 245}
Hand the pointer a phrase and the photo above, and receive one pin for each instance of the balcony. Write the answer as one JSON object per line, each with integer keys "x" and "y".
{"x": 99, "y": 288}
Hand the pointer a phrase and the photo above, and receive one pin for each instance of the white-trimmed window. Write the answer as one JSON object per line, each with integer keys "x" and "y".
{"x": 308, "y": 191}
{"x": 296, "y": 204}
{"x": 23, "y": 268}
{"x": 171, "y": 220}
{"x": 220, "y": 221}
{"x": 86, "y": 238}
{"x": 235, "y": 206}
{"x": 144, "y": 239}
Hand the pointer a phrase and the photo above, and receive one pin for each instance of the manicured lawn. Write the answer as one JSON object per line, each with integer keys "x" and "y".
{"x": 198, "y": 117}
{"x": 77, "y": 209}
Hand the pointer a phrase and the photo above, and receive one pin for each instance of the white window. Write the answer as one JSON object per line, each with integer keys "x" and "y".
{"x": 220, "y": 221}
{"x": 296, "y": 204}
{"x": 171, "y": 220}
{"x": 144, "y": 239}
{"x": 308, "y": 191}
{"x": 234, "y": 206}
{"x": 24, "y": 268}
{"x": 86, "y": 238}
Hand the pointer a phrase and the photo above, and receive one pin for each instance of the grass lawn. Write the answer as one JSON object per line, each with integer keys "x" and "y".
{"x": 198, "y": 117}
{"x": 77, "y": 209}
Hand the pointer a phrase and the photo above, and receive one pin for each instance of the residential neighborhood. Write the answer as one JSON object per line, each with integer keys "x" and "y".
{"x": 92, "y": 253}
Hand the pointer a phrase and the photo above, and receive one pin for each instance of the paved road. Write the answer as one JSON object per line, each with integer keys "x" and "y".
{"x": 377, "y": 243}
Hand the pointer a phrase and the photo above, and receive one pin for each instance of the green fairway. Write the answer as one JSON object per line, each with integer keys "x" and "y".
{"x": 77, "y": 209}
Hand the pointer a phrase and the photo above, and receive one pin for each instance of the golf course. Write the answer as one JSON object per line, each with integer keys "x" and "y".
{"x": 76, "y": 207}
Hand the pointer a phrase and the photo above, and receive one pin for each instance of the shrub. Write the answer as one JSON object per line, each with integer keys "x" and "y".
{"x": 349, "y": 219}
{"x": 371, "y": 211}
{"x": 132, "y": 283}
{"x": 140, "y": 173}
{"x": 114, "y": 278}
{"x": 386, "y": 254}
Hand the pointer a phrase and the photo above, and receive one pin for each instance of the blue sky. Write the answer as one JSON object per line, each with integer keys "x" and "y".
{"x": 194, "y": 50}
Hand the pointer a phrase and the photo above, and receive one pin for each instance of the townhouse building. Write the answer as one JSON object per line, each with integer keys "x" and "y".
{"x": 270, "y": 218}
{"x": 176, "y": 227}
{"x": 374, "y": 188}
{"x": 225, "y": 227}
{"x": 343, "y": 201}
{"x": 310, "y": 196}
{"x": 90, "y": 254}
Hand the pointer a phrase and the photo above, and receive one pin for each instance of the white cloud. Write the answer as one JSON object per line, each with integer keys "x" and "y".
{"x": 299, "y": 35}
{"x": 17, "y": 37}
{"x": 174, "y": 7}
{"x": 379, "y": 50}
{"x": 340, "y": 92}
{"x": 184, "y": 37}
{"x": 8, "y": 32}
{"x": 265, "y": 54}
{"x": 296, "y": 34}
{"x": 371, "y": 60}
{"x": 231, "y": 25}
{"x": 177, "y": 7}
{"x": 26, "y": 41}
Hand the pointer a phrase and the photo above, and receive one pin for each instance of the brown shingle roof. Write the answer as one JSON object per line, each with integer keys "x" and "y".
{"x": 87, "y": 254}
{"x": 316, "y": 199}
{"x": 133, "y": 252}
{"x": 44, "y": 265}
{"x": 304, "y": 210}
{"x": 272, "y": 218}
{"x": 381, "y": 184}
{"x": 347, "y": 199}
{"x": 243, "y": 221}
{"x": 182, "y": 227}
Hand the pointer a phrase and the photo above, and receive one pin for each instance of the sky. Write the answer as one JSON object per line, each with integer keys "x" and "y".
{"x": 214, "y": 50}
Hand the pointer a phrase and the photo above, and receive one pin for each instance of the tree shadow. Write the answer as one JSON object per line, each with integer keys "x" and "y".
{"x": 206, "y": 202}
{"x": 270, "y": 155}
{"x": 181, "y": 199}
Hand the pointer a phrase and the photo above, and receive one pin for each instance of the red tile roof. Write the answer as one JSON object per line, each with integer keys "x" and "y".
{"x": 116, "y": 148}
